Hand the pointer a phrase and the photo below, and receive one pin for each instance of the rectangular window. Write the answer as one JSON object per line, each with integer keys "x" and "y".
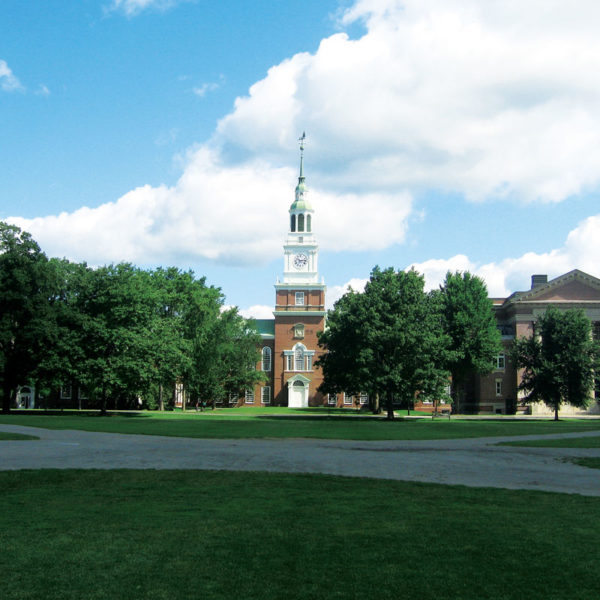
{"x": 500, "y": 361}
{"x": 299, "y": 298}
{"x": 347, "y": 398}
{"x": 65, "y": 392}
{"x": 265, "y": 394}
{"x": 364, "y": 398}
{"x": 308, "y": 362}
{"x": 289, "y": 362}
{"x": 498, "y": 387}
{"x": 249, "y": 397}
{"x": 266, "y": 358}
{"x": 332, "y": 399}
{"x": 299, "y": 360}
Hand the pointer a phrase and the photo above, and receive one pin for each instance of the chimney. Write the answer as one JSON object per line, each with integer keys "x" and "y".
{"x": 537, "y": 280}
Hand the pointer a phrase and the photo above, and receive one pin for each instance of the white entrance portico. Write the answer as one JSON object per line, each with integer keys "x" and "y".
{"x": 298, "y": 391}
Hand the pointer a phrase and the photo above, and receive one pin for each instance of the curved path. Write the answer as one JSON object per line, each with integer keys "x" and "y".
{"x": 472, "y": 462}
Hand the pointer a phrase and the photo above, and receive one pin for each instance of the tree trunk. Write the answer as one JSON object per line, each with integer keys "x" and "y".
{"x": 455, "y": 394}
{"x": 103, "y": 411}
{"x": 556, "y": 412}
{"x": 6, "y": 398}
{"x": 161, "y": 402}
{"x": 390, "y": 406}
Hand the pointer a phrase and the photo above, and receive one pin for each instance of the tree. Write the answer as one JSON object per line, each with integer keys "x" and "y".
{"x": 116, "y": 306}
{"x": 224, "y": 358}
{"x": 25, "y": 311}
{"x": 470, "y": 323}
{"x": 559, "y": 360}
{"x": 62, "y": 353}
{"x": 387, "y": 340}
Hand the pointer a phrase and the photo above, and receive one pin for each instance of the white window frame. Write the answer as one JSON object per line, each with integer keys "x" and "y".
{"x": 266, "y": 358}
{"x": 299, "y": 358}
{"x": 363, "y": 398}
{"x": 265, "y": 394}
{"x": 347, "y": 399}
{"x": 331, "y": 399}
{"x": 500, "y": 361}
{"x": 249, "y": 397}
{"x": 498, "y": 387}
{"x": 299, "y": 298}
{"x": 66, "y": 391}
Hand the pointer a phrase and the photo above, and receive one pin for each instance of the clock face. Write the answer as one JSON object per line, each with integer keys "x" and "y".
{"x": 300, "y": 261}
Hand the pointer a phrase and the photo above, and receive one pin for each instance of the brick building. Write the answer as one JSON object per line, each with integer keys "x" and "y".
{"x": 289, "y": 340}
{"x": 516, "y": 316}
{"x": 290, "y": 347}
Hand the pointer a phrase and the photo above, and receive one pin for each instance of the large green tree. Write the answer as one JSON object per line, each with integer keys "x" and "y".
{"x": 387, "y": 340}
{"x": 471, "y": 326}
{"x": 25, "y": 311}
{"x": 224, "y": 358}
{"x": 117, "y": 306}
{"x": 559, "y": 360}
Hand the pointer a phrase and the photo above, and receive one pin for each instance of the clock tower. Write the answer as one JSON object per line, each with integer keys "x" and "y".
{"x": 299, "y": 307}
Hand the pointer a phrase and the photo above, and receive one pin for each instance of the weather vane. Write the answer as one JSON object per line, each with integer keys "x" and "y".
{"x": 301, "y": 139}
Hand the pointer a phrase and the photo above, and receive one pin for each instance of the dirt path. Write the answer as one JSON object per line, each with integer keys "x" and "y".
{"x": 473, "y": 462}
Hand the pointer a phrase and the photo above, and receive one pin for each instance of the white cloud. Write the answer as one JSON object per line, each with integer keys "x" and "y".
{"x": 8, "y": 81}
{"x": 485, "y": 99}
{"x": 488, "y": 99}
{"x": 258, "y": 311}
{"x": 580, "y": 251}
{"x": 335, "y": 292}
{"x": 42, "y": 90}
{"x": 209, "y": 86}
{"x": 134, "y": 7}
{"x": 217, "y": 213}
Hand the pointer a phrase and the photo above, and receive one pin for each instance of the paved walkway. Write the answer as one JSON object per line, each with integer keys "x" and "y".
{"x": 472, "y": 462}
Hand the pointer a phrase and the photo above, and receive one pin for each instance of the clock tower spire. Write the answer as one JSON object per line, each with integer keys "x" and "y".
{"x": 301, "y": 249}
{"x": 299, "y": 306}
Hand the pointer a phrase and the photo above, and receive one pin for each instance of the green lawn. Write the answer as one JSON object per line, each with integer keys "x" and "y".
{"x": 583, "y": 442}
{"x": 16, "y": 436}
{"x": 591, "y": 462}
{"x": 220, "y": 535}
{"x": 283, "y": 423}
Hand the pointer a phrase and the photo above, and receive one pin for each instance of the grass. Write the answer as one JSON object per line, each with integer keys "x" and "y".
{"x": 283, "y": 423}
{"x": 16, "y": 436}
{"x": 583, "y": 442}
{"x": 590, "y": 462}
{"x": 219, "y": 535}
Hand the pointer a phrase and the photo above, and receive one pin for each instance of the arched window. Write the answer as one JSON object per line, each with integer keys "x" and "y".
{"x": 299, "y": 359}
{"x": 308, "y": 223}
{"x": 293, "y": 223}
{"x": 300, "y": 222}
{"x": 266, "y": 358}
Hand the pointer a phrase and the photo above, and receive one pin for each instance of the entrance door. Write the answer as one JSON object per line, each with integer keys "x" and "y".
{"x": 298, "y": 395}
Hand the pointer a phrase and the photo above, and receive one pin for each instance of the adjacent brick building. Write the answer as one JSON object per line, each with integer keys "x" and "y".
{"x": 290, "y": 348}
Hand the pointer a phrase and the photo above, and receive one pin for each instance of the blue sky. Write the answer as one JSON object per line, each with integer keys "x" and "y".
{"x": 445, "y": 134}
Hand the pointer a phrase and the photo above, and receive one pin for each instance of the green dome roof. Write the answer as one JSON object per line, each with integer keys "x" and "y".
{"x": 301, "y": 202}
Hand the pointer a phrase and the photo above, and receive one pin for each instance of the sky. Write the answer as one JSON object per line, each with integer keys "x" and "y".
{"x": 441, "y": 135}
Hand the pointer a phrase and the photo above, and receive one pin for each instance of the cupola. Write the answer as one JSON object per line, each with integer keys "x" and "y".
{"x": 301, "y": 210}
